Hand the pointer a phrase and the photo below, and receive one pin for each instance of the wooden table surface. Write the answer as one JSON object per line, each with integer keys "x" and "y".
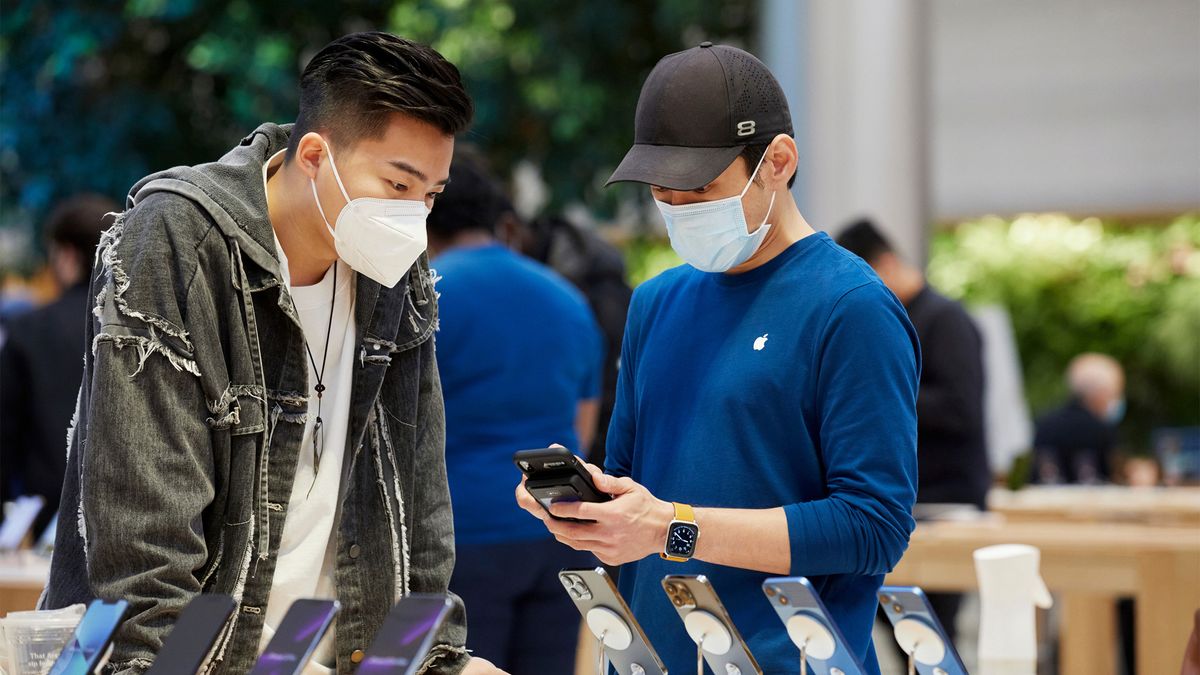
{"x": 1177, "y": 506}
{"x": 1088, "y": 566}
{"x": 22, "y": 577}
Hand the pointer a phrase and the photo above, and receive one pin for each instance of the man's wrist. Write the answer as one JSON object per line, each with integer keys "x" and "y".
{"x": 663, "y": 514}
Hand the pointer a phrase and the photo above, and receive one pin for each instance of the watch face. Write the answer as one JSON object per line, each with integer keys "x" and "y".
{"x": 681, "y": 540}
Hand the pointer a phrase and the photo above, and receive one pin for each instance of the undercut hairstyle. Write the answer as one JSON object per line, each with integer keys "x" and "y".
{"x": 864, "y": 240}
{"x": 350, "y": 89}
{"x": 751, "y": 154}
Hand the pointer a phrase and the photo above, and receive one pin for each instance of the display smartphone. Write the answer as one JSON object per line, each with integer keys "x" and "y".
{"x": 45, "y": 543}
{"x": 554, "y": 475}
{"x": 89, "y": 648}
{"x": 403, "y": 641}
{"x": 709, "y": 625}
{"x": 910, "y": 605}
{"x": 825, "y": 650}
{"x": 296, "y": 637}
{"x": 606, "y": 614}
{"x": 19, "y": 521}
{"x": 191, "y": 639}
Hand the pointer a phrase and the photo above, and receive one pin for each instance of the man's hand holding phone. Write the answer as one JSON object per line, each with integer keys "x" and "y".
{"x": 630, "y": 527}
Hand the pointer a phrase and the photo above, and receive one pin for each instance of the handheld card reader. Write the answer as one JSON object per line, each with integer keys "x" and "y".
{"x": 554, "y": 475}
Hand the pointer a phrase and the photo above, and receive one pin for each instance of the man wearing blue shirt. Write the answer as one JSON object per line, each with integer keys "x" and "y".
{"x": 766, "y": 410}
{"x": 520, "y": 358}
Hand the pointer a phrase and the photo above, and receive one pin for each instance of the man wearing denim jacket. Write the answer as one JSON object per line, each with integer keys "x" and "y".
{"x": 213, "y": 411}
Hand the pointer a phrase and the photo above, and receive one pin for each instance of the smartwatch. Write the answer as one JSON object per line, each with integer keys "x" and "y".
{"x": 682, "y": 534}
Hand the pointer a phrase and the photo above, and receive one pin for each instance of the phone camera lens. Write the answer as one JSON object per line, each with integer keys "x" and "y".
{"x": 771, "y": 591}
{"x": 897, "y": 608}
{"x": 885, "y": 599}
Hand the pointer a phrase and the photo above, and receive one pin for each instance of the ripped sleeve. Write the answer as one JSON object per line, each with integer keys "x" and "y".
{"x": 145, "y": 469}
{"x": 147, "y": 475}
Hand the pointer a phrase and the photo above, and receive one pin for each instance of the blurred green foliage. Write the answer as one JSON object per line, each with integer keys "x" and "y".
{"x": 1129, "y": 290}
{"x": 647, "y": 257}
{"x": 95, "y": 94}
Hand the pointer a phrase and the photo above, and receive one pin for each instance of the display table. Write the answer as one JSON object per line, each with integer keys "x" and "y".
{"x": 1177, "y": 506}
{"x": 1087, "y": 565}
{"x": 22, "y": 577}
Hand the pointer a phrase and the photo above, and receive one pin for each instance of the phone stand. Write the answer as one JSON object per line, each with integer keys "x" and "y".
{"x": 609, "y": 628}
{"x": 708, "y": 631}
{"x": 811, "y": 636}
{"x": 920, "y": 641}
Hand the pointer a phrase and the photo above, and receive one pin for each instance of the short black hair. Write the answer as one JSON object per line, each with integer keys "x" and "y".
{"x": 77, "y": 222}
{"x": 473, "y": 201}
{"x": 754, "y": 153}
{"x": 864, "y": 240}
{"x": 353, "y": 85}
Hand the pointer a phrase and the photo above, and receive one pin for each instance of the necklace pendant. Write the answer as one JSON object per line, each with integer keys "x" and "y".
{"x": 320, "y": 388}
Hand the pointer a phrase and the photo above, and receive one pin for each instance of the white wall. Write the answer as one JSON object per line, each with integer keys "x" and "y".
{"x": 915, "y": 111}
{"x": 1087, "y": 106}
{"x": 857, "y": 98}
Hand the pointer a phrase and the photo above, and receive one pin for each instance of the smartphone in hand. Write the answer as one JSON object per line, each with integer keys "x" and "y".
{"x": 555, "y": 475}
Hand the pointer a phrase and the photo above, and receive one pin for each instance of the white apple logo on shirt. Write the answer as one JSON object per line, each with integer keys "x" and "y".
{"x": 760, "y": 343}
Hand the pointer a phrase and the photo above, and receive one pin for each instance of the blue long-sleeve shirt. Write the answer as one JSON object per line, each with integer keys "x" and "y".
{"x": 793, "y": 385}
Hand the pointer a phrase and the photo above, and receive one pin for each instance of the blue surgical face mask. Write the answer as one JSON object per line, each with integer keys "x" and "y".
{"x": 713, "y": 236}
{"x": 1115, "y": 412}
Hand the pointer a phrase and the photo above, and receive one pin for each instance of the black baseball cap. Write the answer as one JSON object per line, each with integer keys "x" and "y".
{"x": 698, "y": 109}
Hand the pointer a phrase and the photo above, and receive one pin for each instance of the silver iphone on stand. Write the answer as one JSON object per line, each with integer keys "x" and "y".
{"x": 609, "y": 619}
{"x": 708, "y": 623}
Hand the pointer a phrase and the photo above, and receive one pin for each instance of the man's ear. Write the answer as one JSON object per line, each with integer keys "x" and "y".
{"x": 508, "y": 231}
{"x": 885, "y": 264}
{"x": 310, "y": 152}
{"x": 781, "y": 162}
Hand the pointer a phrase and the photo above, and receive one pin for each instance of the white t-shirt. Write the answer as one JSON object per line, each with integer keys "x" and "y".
{"x": 306, "y": 562}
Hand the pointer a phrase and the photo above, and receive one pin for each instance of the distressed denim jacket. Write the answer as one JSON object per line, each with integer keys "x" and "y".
{"x": 184, "y": 445}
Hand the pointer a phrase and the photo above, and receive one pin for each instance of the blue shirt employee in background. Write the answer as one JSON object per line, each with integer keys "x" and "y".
{"x": 771, "y": 383}
{"x": 520, "y": 357}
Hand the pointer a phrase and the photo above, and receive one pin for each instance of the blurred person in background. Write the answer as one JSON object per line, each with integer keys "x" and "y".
{"x": 952, "y": 462}
{"x": 597, "y": 268}
{"x": 40, "y": 370}
{"x": 1073, "y": 444}
{"x": 520, "y": 356}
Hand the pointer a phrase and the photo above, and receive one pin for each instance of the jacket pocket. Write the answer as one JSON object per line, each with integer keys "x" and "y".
{"x": 240, "y": 410}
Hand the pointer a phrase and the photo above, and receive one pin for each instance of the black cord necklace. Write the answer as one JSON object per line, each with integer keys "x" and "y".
{"x": 318, "y": 444}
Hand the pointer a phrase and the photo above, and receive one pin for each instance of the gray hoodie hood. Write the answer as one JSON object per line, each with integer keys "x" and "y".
{"x": 230, "y": 191}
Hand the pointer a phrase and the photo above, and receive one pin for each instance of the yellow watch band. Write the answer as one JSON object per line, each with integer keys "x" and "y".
{"x": 684, "y": 512}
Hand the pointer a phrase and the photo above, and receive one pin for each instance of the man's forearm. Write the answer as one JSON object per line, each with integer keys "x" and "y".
{"x": 753, "y": 539}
